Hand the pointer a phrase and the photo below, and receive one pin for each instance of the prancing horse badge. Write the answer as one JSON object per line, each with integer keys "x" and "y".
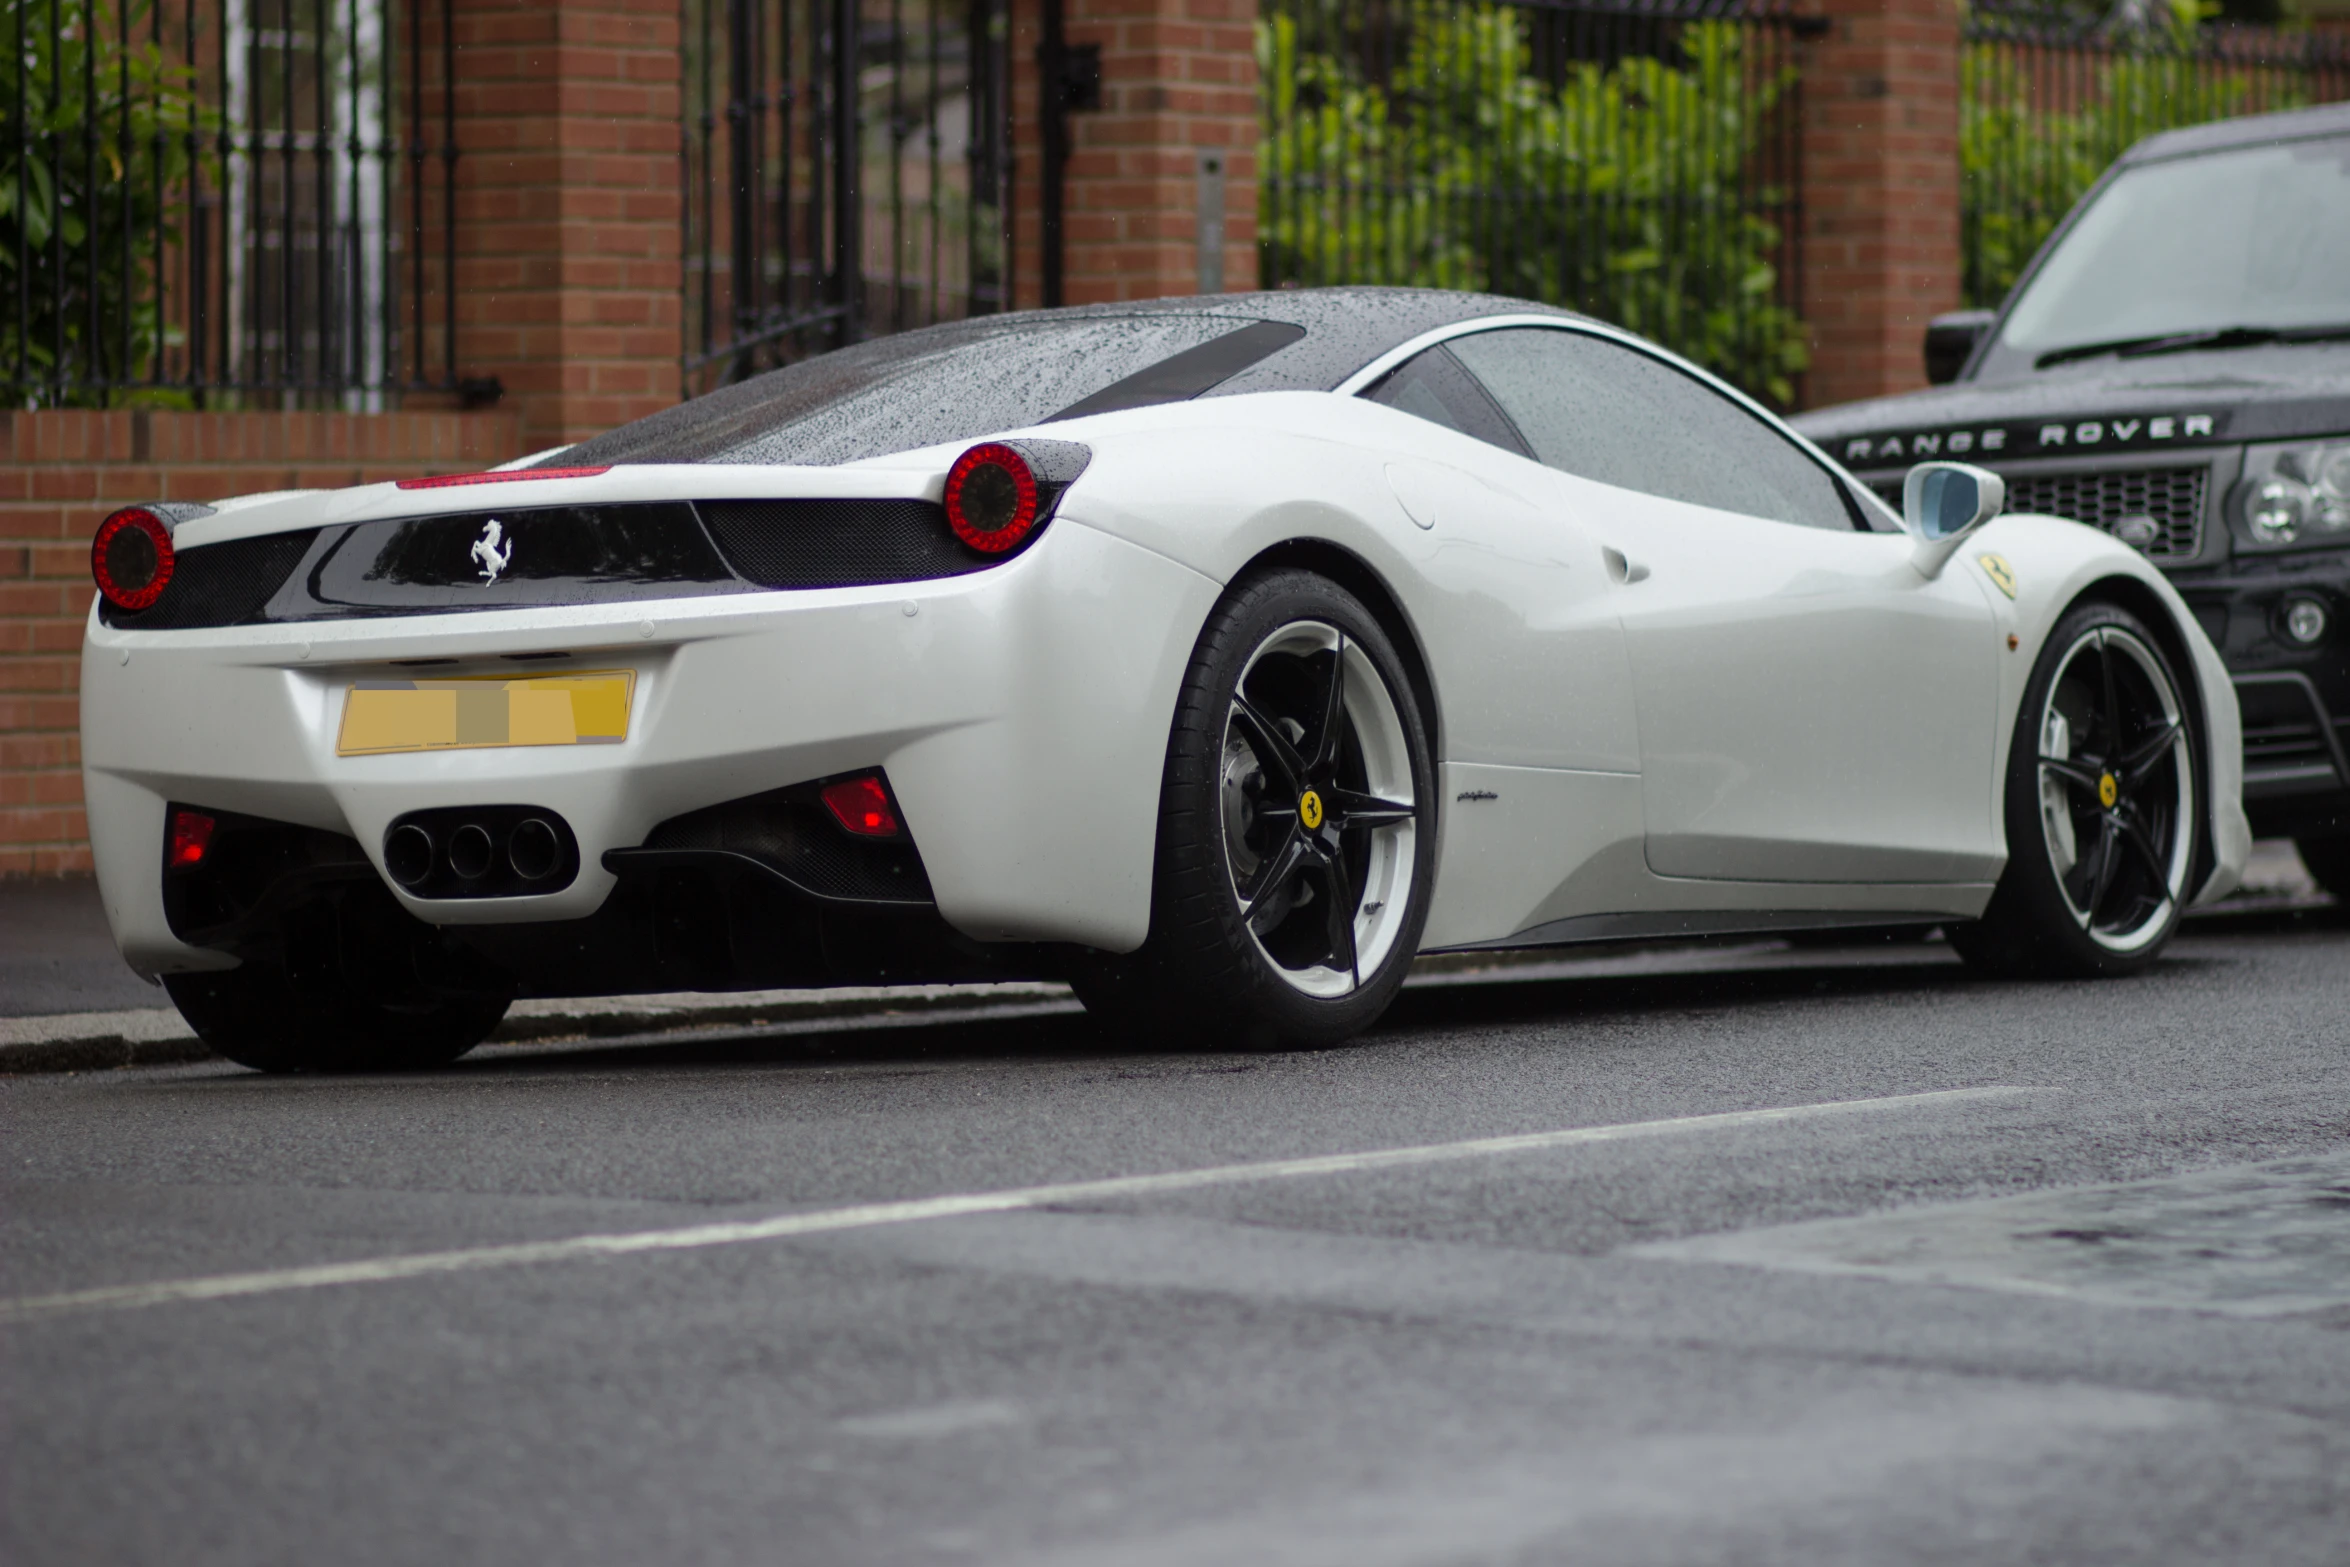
{"x": 2002, "y": 575}
{"x": 492, "y": 559}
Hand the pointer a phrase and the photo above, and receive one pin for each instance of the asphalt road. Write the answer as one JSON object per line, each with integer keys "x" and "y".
{"x": 2062, "y": 1276}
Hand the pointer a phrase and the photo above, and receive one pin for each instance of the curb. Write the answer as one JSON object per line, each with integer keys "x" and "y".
{"x": 159, "y": 1036}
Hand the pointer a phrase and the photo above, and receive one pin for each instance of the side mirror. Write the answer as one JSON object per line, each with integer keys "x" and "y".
{"x": 1951, "y": 340}
{"x": 1943, "y": 502}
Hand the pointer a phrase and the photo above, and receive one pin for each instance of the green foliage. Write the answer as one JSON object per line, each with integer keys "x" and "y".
{"x": 1624, "y": 190}
{"x": 2025, "y": 161}
{"x": 85, "y": 207}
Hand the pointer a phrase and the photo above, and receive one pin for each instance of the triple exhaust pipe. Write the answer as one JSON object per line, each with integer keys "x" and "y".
{"x": 481, "y": 852}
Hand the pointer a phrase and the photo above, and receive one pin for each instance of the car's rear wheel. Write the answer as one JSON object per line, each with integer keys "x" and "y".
{"x": 1296, "y": 828}
{"x": 2102, "y": 813}
{"x": 257, "y": 1017}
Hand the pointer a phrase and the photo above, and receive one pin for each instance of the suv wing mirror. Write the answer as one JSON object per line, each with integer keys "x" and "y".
{"x": 1943, "y": 502}
{"x": 1951, "y": 340}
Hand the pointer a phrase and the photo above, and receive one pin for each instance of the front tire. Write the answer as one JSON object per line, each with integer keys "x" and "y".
{"x": 2103, "y": 818}
{"x": 1296, "y": 844}
{"x": 257, "y": 1017}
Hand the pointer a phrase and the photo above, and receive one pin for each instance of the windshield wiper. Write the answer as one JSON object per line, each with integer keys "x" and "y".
{"x": 2187, "y": 342}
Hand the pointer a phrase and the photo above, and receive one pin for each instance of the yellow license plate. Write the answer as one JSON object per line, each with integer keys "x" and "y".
{"x": 476, "y": 711}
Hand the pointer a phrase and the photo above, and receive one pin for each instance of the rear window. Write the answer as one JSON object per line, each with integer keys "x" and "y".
{"x": 942, "y": 384}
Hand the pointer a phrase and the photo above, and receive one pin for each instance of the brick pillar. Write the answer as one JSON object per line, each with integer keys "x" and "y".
{"x": 1179, "y": 78}
{"x": 1881, "y": 191}
{"x": 568, "y": 208}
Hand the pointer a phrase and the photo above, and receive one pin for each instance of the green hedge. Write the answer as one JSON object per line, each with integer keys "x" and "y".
{"x": 2024, "y": 165}
{"x": 85, "y": 202}
{"x": 1626, "y": 190}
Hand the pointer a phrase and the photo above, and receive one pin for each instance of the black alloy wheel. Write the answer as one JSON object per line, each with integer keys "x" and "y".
{"x": 2102, "y": 810}
{"x": 1296, "y": 828}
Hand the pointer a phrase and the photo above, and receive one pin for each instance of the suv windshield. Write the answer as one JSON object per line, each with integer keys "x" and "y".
{"x": 2242, "y": 244}
{"x": 943, "y": 383}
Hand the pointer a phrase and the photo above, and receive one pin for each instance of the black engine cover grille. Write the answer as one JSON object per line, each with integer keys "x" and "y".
{"x": 839, "y": 544}
{"x": 556, "y": 555}
{"x": 219, "y": 584}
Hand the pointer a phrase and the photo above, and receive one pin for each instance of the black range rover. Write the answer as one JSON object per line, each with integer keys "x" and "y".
{"x": 2174, "y": 367}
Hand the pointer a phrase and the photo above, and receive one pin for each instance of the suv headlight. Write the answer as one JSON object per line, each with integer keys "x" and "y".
{"x": 2296, "y": 494}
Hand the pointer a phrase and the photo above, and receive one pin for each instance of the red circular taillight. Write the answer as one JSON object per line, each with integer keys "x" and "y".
{"x": 131, "y": 559}
{"x": 991, "y": 498}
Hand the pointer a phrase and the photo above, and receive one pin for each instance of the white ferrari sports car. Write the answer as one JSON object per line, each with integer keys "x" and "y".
{"x": 1217, "y": 655}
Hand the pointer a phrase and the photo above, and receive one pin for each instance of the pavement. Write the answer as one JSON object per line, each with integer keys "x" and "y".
{"x": 1803, "y": 1256}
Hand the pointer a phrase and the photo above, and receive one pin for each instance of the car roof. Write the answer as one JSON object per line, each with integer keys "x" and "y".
{"x": 2252, "y": 130}
{"x": 1345, "y": 327}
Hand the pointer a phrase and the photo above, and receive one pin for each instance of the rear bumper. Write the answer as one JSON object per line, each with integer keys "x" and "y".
{"x": 1021, "y": 715}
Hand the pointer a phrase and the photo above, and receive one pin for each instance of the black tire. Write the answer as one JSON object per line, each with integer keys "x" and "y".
{"x": 1276, "y": 969}
{"x": 2328, "y": 860}
{"x": 254, "y": 1016}
{"x": 2123, "y": 772}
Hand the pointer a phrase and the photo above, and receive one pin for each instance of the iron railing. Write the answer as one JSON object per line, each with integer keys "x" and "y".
{"x": 2049, "y": 99}
{"x": 846, "y": 165}
{"x": 1636, "y": 159}
{"x": 226, "y": 203}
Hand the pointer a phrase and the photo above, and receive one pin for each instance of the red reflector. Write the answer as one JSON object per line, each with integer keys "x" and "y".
{"x": 444, "y": 481}
{"x": 191, "y": 835}
{"x": 131, "y": 558}
{"x": 861, "y": 805}
{"x": 991, "y": 498}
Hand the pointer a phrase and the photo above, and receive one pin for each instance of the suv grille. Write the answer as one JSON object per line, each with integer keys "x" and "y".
{"x": 2173, "y": 497}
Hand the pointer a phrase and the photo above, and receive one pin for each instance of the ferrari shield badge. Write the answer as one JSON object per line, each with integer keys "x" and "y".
{"x": 2002, "y": 575}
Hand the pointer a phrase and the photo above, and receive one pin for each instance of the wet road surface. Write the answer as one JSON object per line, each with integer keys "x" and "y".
{"x": 1744, "y": 1256}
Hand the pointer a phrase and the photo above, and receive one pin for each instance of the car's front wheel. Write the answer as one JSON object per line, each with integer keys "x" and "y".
{"x": 2102, "y": 814}
{"x": 257, "y": 1017}
{"x": 1296, "y": 828}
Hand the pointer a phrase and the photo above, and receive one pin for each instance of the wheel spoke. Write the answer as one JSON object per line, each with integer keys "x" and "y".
{"x": 1271, "y": 745}
{"x": 2143, "y": 758}
{"x": 1324, "y": 750}
{"x": 1339, "y": 918}
{"x": 2101, "y": 880}
{"x": 2135, "y": 836}
{"x": 1349, "y": 809}
{"x": 2072, "y": 772}
{"x": 2113, "y": 706}
{"x": 1275, "y": 873}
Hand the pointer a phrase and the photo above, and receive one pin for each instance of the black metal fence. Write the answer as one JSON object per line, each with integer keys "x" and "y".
{"x": 846, "y": 165}
{"x": 225, "y": 203}
{"x": 2049, "y": 99}
{"x": 1640, "y": 161}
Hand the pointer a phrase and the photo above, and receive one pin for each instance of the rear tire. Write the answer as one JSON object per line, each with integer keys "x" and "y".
{"x": 2102, "y": 811}
{"x": 1297, "y": 830}
{"x": 256, "y": 1017}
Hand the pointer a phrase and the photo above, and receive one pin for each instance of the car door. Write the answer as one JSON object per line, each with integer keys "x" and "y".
{"x": 1541, "y": 743}
{"x": 1810, "y": 708}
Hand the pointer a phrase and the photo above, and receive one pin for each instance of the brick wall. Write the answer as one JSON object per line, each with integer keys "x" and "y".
{"x": 1178, "y": 77}
{"x": 62, "y": 472}
{"x": 1881, "y": 191}
{"x": 568, "y": 208}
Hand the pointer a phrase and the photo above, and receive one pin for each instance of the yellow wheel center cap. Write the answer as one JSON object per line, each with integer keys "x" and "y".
{"x": 2109, "y": 789}
{"x": 1309, "y": 810}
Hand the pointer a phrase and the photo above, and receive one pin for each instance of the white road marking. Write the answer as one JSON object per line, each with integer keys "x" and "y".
{"x": 384, "y": 1270}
